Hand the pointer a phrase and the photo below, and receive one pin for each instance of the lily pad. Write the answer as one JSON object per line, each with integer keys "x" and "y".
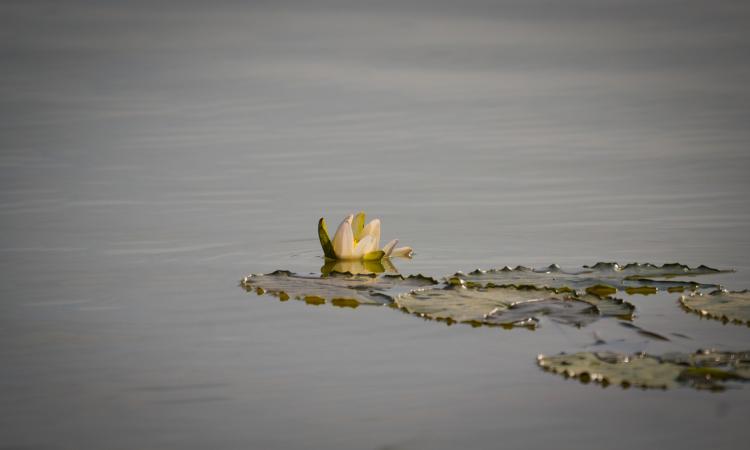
{"x": 737, "y": 363}
{"x": 726, "y": 306}
{"x": 603, "y": 278}
{"x": 700, "y": 370}
{"x": 341, "y": 289}
{"x": 509, "y": 306}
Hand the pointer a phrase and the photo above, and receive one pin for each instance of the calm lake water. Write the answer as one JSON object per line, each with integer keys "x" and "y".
{"x": 152, "y": 154}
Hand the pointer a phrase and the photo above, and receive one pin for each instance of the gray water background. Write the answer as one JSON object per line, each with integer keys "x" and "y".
{"x": 153, "y": 153}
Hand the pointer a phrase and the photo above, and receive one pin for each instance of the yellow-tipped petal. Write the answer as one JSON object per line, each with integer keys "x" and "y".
{"x": 402, "y": 251}
{"x": 358, "y": 225}
{"x": 325, "y": 240}
{"x": 373, "y": 229}
{"x": 388, "y": 249}
{"x": 343, "y": 241}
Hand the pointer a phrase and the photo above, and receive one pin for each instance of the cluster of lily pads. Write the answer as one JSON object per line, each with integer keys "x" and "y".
{"x": 520, "y": 297}
{"x": 510, "y": 297}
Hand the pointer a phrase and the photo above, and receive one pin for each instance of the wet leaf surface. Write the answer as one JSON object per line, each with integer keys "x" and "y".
{"x": 600, "y": 279}
{"x": 340, "y": 289}
{"x": 721, "y": 305}
{"x": 510, "y": 306}
{"x": 700, "y": 370}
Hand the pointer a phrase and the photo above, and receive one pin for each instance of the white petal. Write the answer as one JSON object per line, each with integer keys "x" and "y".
{"x": 343, "y": 241}
{"x": 363, "y": 247}
{"x": 372, "y": 229}
{"x": 389, "y": 247}
{"x": 372, "y": 248}
{"x": 402, "y": 251}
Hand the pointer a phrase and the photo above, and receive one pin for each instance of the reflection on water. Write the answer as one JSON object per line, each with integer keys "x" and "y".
{"x": 152, "y": 153}
{"x": 358, "y": 267}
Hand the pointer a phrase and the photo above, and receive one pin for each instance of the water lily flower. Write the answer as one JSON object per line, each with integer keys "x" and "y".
{"x": 356, "y": 241}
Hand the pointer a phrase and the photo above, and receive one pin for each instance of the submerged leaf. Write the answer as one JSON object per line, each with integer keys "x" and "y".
{"x": 600, "y": 278}
{"x": 700, "y": 370}
{"x": 341, "y": 289}
{"x": 601, "y": 290}
{"x": 509, "y": 306}
{"x": 645, "y": 290}
{"x": 726, "y": 306}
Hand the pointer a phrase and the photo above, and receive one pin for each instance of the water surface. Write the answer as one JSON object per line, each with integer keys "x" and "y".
{"x": 152, "y": 154}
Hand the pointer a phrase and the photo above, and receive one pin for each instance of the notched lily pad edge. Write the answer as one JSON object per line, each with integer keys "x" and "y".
{"x": 703, "y": 313}
{"x": 649, "y": 287}
{"x": 680, "y": 269}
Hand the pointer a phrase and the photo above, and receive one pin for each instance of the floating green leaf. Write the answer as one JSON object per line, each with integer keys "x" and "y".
{"x": 722, "y": 305}
{"x": 700, "y": 370}
{"x": 509, "y": 306}
{"x": 602, "y": 278}
{"x": 341, "y": 289}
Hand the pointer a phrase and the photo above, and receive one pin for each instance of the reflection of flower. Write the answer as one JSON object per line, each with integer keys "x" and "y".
{"x": 358, "y": 267}
{"x": 356, "y": 241}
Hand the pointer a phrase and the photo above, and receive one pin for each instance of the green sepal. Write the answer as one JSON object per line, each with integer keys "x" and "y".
{"x": 325, "y": 240}
{"x": 377, "y": 255}
{"x": 359, "y": 224}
